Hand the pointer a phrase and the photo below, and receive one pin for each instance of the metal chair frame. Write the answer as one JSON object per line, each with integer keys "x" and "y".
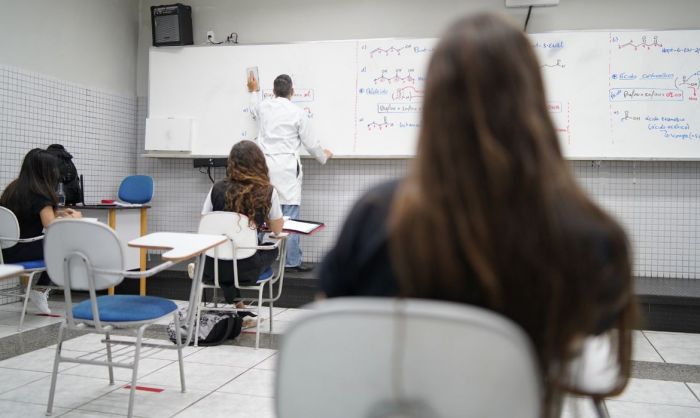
{"x": 21, "y": 291}
{"x": 97, "y": 325}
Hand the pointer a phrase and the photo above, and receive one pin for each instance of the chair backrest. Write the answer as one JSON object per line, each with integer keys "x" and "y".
{"x": 382, "y": 357}
{"x": 9, "y": 228}
{"x": 136, "y": 189}
{"x": 96, "y": 241}
{"x": 233, "y": 225}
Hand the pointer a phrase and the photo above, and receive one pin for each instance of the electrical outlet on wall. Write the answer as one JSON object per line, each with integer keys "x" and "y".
{"x": 210, "y": 36}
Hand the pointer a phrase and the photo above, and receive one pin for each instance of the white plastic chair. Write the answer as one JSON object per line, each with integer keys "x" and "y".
{"x": 242, "y": 243}
{"x": 9, "y": 237}
{"x": 383, "y": 357}
{"x": 85, "y": 255}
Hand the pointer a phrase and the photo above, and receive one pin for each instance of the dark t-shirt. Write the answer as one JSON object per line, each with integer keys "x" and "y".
{"x": 360, "y": 264}
{"x": 29, "y": 226}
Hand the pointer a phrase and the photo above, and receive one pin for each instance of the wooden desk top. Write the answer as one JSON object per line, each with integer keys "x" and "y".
{"x": 181, "y": 245}
{"x": 105, "y": 206}
{"x": 9, "y": 270}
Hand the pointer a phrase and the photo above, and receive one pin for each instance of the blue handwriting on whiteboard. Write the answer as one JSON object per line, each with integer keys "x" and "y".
{"x": 624, "y": 76}
{"x": 549, "y": 45}
{"x": 374, "y": 91}
{"x": 657, "y": 76}
{"x": 681, "y": 50}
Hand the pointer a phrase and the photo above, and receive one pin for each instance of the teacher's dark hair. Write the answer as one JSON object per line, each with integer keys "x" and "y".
{"x": 282, "y": 87}
{"x": 491, "y": 214}
{"x": 39, "y": 175}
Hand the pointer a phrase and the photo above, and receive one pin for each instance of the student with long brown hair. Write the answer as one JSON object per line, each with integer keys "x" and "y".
{"x": 246, "y": 190}
{"x": 490, "y": 213}
{"x": 32, "y": 198}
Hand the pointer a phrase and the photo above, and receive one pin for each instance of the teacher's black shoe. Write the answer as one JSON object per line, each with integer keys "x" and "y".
{"x": 301, "y": 268}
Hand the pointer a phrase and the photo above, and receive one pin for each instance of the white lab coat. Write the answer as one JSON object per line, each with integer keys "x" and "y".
{"x": 284, "y": 128}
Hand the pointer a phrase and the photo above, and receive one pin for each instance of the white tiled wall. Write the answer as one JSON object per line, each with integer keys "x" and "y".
{"x": 657, "y": 202}
{"x": 97, "y": 128}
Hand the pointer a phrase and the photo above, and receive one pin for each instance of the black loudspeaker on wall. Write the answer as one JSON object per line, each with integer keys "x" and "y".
{"x": 171, "y": 24}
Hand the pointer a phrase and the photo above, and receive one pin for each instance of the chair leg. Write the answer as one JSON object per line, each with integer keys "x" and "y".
{"x": 26, "y": 299}
{"x": 108, "y": 343}
{"x": 135, "y": 370}
{"x": 54, "y": 373}
{"x": 197, "y": 315}
{"x": 271, "y": 303}
{"x": 257, "y": 326}
{"x": 178, "y": 342}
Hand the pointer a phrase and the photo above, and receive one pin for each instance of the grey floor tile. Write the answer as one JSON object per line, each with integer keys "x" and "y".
{"x": 71, "y": 391}
{"x": 676, "y": 347}
{"x": 256, "y": 382}
{"x": 146, "y": 404}
{"x": 642, "y": 350}
{"x": 231, "y": 356}
{"x": 658, "y": 392}
{"x": 38, "y": 360}
{"x": 198, "y": 376}
{"x": 695, "y": 387}
{"x": 292, "y": 314}
{"x": 269, "y": 364}
{"x": 228, "y": 405}
{"x": 619, "y": 409}
{"x": 13, "y": 378}
{"x": 77, "y": 413}
{"x": 12, "y": 409}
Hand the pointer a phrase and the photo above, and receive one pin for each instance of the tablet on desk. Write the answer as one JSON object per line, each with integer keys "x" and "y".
{"x": 301, "y": 226}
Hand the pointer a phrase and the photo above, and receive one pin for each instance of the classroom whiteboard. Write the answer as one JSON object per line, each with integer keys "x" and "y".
{"x": 611, "y": 95}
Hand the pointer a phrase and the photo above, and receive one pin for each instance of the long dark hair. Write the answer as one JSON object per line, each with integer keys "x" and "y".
{"x": 38, "y": 176}
{"x": 248, "y": 187}
{"x": 491, "y": 214}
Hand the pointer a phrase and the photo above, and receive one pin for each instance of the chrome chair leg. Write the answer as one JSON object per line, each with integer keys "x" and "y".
{"x": 54, "y": 373}
{"x": 135, "y": 371}
{"x": 108, "y": 343}
{"x": 178, "y": 341}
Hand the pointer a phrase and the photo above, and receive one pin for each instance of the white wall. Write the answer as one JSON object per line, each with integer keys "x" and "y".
{"x": 657, "y": 202}
{"x": 88, "y": 42}
{"x": 268, "y": 21}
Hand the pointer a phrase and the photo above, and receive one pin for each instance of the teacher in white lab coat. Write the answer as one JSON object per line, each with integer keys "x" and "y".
{"x": 284, "y": 128}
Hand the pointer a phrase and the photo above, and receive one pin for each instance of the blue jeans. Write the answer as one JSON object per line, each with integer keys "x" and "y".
{"x": 293, "y": 250}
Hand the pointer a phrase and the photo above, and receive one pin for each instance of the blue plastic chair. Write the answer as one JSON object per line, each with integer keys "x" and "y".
{"x": 136, "y": 189}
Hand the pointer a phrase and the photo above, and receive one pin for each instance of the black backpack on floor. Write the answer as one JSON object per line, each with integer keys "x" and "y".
{"x": 68, "y": 173}
{"x": 214, "y": 327}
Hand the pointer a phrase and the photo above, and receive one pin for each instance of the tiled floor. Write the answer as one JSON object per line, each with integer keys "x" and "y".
{"x": 237, "y": 381}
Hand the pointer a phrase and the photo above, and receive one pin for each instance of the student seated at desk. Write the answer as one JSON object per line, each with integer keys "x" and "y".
{"x": 490, "y": 213}
{"x": 246, "y": 190}
{"x": 32, "y": 198}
